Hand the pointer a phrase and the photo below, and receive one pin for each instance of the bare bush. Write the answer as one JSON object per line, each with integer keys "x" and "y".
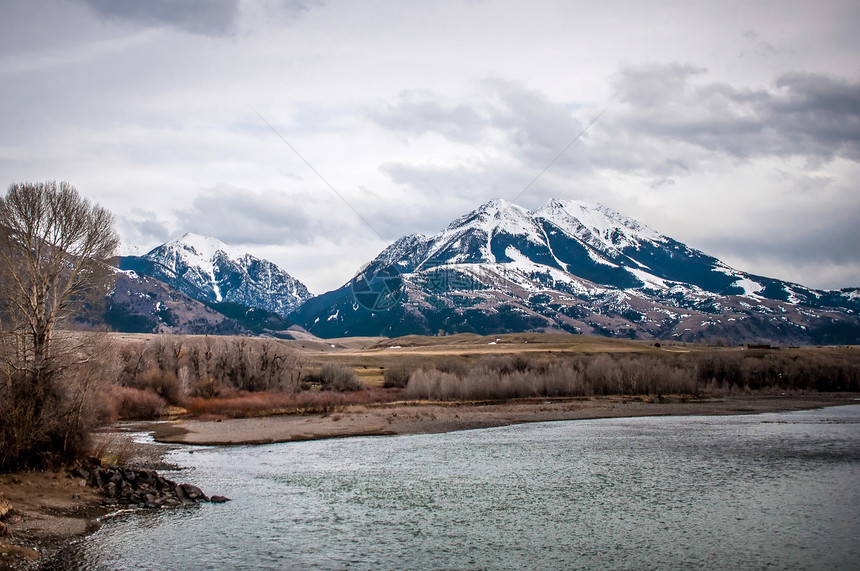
{"x": 506, "y": 377}
{"x": 336, "y": 377}
{"x": 137, "y": 404}
{"x": 165, "y": 384}
{"x": 175, "y": 367}
{"x": 206, "y": 388}
{"x": 509, "y": 377}
{"x": 453, "y": 365}
{"x": 432, "y": 384}
{"x": 506, "y": 364}
{"x": 396, "y": 376}
{"x": 564, "y": 378}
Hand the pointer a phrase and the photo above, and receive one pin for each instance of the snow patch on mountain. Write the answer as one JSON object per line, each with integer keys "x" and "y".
{"x": 649, "y": 279}
{"x": 751, "y": 288}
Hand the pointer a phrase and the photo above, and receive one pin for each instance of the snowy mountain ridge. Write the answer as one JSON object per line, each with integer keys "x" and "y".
{"x": 208, "y": 270}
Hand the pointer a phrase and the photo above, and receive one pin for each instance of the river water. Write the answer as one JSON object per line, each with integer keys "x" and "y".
{"x": 776, "y": 491}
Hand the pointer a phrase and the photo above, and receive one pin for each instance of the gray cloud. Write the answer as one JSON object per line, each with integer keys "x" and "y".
{"x": 417, "y": 113}
{"x": 830, "y": 234}
{"x": 142, "y": 227}
{"x": 667, "y": 122}
{"x": 653, "y": 86}
{"x": 813, "y": 116}
{"x": 458, "y": 180}
{"x": 208, "y": 17}
{"x": 150, "y": 229}
{"x": 537, "y": 127}
{"x": 820, "y": 246}
{"x": 238, "y": 216}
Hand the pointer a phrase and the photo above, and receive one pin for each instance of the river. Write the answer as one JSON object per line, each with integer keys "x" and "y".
{"x": 777, "y": 491}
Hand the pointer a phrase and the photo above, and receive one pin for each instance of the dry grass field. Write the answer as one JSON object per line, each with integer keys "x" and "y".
{"x": 370, "y": 356}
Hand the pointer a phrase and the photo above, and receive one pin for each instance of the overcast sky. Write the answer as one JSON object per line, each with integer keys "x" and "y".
{"x": 731, "y": 126}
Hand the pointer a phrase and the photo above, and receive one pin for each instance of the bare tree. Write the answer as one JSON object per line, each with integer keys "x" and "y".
{"x": 53, "y": 245}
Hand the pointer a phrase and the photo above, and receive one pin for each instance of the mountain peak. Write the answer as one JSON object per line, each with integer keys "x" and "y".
{"x": 565, "y": 203}
{"x": 497, "y": 206}
{"x": 595, "y": 223}
{"x": 497, "y": 203}
{"x": 496, "y": 213}
{"x": 202, "y": 247}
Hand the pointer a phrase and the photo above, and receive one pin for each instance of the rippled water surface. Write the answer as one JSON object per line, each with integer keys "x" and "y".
{"x": 766, "y": 491}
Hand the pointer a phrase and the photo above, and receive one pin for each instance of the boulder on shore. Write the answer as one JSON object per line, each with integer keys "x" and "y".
{"x": 130, "y": 488}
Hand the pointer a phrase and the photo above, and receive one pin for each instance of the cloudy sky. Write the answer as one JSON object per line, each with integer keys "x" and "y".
{"x": 732, "y": 126}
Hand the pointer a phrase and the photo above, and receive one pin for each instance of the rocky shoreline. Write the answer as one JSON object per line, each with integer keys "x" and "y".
{"x": 42, "y": 512}
{"x": 130, "y": 488}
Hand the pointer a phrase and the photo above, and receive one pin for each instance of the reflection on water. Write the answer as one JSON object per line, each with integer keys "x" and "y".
{"x": 774, "y": 490}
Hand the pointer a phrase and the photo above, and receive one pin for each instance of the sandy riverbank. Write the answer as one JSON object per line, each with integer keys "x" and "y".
{"x": 41, "y": 512}
{"x": 406, "y": 418}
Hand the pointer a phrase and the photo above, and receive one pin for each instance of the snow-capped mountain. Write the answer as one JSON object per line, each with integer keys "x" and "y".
{"x": 572, "y": 266}
{"x": 208, "y": 270}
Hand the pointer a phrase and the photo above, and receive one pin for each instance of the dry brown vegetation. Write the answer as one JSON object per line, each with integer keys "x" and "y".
{"x": 229, "y": 376}
{"x": 334, "y": 377}
{"x": 243, "y": 404}
{"x": 176, "y": 369}
{"x": 240, "y": 377}
{"x": 712, "y": 372}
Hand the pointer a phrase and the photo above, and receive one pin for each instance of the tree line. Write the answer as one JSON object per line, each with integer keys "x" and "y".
{"x": 703, "y": 372}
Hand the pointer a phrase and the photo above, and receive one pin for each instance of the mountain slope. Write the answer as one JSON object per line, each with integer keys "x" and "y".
{"x": 142, "y": 304}
{"x": 572, "y": 266}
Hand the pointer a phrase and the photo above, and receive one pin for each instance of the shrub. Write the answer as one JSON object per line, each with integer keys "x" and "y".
{"x": 130, "y": 403}
{"x": 206, "y": 388}
{"x": 165, "y": 384}
{"x": 502, "y": 377}
{"x": 177, "y": 366}
{"x": 336, "y": 377}
{"x": 453, "y": 365}
{"x": 432, "y": 384}
{"x": 506, "y": 364}
{"x": 396, "y": 376}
